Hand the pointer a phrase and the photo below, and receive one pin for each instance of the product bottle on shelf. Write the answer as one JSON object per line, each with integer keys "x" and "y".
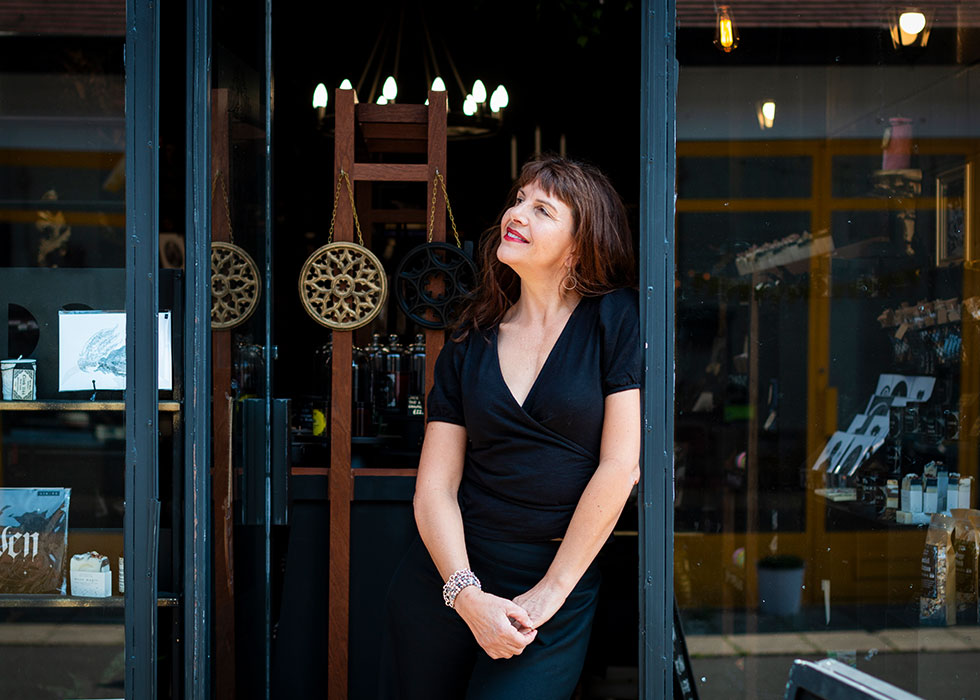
{"x": 394, "y": 362}
{"x": 362, "y": 424}
{"x": 377, "y": 379}
{"x": 416, "y": 390}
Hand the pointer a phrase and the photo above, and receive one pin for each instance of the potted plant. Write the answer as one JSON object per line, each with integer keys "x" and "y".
{"x": 780, "y": 579}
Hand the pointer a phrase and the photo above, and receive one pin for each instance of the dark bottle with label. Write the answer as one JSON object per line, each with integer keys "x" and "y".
{"x": 416, "y": 382}
{"x": 377, "y": 379}
{"x": 322, "y": 373}
{"x": 362, "y": 423}
{"x": 394, "y": 362}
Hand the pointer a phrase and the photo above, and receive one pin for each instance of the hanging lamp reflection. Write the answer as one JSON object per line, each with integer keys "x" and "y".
{"x": 726, "y": 33}
{"x": 909, "y": 27}
{"x": 765, "y": 111}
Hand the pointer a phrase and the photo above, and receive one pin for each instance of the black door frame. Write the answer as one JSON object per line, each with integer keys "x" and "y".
{"x": 141, "y": 532}
{"x": 197, "y": 554}
{"x": 658, "y": 84}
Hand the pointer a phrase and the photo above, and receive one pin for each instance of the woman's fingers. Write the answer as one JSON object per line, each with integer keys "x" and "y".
{"x": 500, "y": 626}
{"x": 519, "y": 615}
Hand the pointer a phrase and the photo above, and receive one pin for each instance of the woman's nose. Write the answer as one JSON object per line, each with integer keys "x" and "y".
{"x": 518, "y": 212}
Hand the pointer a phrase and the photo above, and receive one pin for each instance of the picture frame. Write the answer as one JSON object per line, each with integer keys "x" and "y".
{"x": 172, "y": 251}
{"x": 92, "y": 351}
{"x": 953, "y": 215}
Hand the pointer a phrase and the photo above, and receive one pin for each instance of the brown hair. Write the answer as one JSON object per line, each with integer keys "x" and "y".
{"x": 602, "y": 241}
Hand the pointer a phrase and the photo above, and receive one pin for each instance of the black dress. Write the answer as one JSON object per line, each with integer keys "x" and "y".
{"x": 525, "y": 468}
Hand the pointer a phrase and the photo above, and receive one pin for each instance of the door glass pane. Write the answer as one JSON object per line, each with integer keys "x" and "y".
{"x": 62, "y": 441}
{"x": 827, "y": 337}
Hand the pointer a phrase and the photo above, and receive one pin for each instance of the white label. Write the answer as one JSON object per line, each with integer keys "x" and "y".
{"x": 91, "y": 584}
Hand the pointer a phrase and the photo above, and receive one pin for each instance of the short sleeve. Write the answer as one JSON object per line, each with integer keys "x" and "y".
{"x": 445, "y": 402}
{"x": 619, "y": 322}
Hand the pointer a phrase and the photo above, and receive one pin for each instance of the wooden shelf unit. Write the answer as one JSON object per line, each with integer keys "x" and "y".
{"x": 382, "y": 129}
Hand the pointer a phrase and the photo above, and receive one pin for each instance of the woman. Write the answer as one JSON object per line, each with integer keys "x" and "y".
{"x": 531, "y": 450}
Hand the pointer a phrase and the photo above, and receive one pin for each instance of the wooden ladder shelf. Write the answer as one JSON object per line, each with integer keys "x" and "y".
{"x": 383, "y": 129}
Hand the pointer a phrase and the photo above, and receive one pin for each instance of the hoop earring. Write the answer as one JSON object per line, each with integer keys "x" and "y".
{"x": 565, "y": 282}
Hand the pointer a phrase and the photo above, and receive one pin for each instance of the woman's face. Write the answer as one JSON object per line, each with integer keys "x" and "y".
{"x": 536, "y": 234}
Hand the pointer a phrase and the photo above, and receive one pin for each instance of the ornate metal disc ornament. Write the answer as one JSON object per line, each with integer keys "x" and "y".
{"x": 432, "y": 282}
{"x": 434, "y": 279}
{"x": 235, "y": 281}
{"x": 235, "y": 287}
{"x": 343, "y": 286}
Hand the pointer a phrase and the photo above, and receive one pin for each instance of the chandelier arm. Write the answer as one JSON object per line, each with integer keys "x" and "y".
{"x": 374, "y": 52}
{"x": 377, "y": 73}
{"x": 398, "y": 42}
{"x": 432, "y": 50}
{"x": 452, "y": 66}
{"x": 427, "y": 69}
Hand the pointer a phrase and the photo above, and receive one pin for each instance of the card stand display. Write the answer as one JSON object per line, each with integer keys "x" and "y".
{"x": 783, "y": 252}
{"x": 898, "y": 462}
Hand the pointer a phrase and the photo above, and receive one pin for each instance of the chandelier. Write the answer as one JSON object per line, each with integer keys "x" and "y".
{"x": 473, "y": 110}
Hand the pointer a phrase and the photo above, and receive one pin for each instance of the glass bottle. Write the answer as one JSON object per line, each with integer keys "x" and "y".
{"x": 394, "y": 362}
{"x": 377, "y": 380}
{"x": 416, "y": 390}
{"x": 361, "y": 419}
{"x": 322, "y": 369}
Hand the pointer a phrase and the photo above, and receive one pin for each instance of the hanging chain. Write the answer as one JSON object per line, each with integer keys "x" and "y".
{"x": 336, "y": 198}
{"x": 432, "y": 214}
{"x": 219, "y": 176}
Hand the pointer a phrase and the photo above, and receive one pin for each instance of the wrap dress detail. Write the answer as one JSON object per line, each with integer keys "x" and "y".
{"x": 527, "y": 464}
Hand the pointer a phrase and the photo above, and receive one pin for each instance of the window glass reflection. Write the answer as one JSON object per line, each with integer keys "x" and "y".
{"x": 827, "y": 340}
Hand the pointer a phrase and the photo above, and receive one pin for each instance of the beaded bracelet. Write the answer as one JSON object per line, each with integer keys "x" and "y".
{"x": 457, "y": 582}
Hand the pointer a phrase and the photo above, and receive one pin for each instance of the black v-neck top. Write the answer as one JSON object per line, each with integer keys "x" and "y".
{"x": 527, "y": 464}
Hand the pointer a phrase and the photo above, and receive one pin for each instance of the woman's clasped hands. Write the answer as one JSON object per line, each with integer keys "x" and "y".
{"x": 501, "y": 627}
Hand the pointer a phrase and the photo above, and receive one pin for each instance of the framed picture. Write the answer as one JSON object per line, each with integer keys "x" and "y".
{"x": 172, "y": 251}
{"x": 92, "y": 351}
{"x": 953, "y": 235}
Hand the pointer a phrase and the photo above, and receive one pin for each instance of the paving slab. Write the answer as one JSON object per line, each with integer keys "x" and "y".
{"x": 923, "y": 639}
{"x": 776, "y": 643}
{"x": 89, "y": 635}
{"x": 38, "y": 634}
{"x": 858, "y": 640}
{"x": 704, "y": 645}
{"x": 25, "y": 634}
{"x": 970, "y": 635}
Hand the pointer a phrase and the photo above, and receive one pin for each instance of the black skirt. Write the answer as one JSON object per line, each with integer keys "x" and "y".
{"x": 429, "y": 653}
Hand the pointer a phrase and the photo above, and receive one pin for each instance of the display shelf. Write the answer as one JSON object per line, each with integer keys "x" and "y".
{"x": 66, "y": 601}
{"x": 75, "y": 405}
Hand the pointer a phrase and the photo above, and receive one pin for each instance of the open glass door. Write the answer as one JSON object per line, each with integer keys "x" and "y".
{"x": 243, "y": 354}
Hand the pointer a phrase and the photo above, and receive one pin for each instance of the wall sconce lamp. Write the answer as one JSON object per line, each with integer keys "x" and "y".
{"x": 765, "y": 111}
{"x": 909, "y": 27}
{"x": 726, "y": 33}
